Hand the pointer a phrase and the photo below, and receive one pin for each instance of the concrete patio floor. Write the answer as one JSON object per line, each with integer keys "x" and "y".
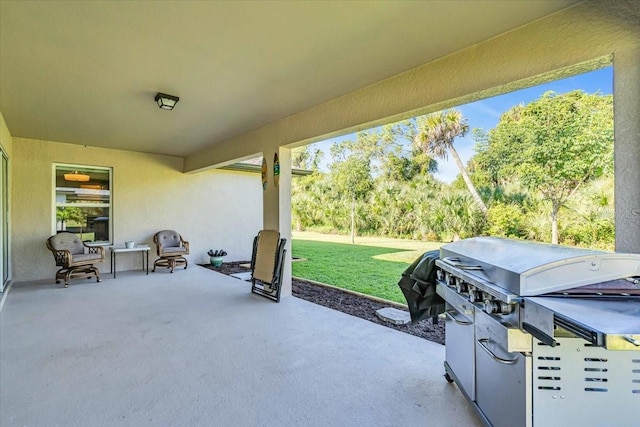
{"x": 195, "y": 348}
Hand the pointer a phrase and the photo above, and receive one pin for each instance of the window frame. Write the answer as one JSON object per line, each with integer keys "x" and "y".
{"x": 109, "y": 205}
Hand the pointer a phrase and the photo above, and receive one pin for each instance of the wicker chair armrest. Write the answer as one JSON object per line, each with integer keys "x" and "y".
{"x": 63, "y": 257}
{"x": 96, "y": 250}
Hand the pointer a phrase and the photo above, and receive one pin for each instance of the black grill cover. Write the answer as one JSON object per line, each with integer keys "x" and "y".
{"x": 418, "y": 284}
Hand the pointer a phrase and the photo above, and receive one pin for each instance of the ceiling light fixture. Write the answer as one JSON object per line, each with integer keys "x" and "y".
{"x": 75, "y": 176}
{"x": 166, "y": 102}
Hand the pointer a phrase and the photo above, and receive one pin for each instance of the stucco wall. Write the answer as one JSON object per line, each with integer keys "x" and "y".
{"x": 212, "y": 209}
{"x": 626, "y": 108}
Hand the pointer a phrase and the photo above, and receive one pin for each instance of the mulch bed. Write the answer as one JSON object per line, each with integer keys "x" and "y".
{"x": 345, "y": 302}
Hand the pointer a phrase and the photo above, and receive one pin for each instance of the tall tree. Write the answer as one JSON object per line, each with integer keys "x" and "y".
{"x": 352, "y": 179}
{"x": 553, "y": 145}
{"x": 306, "y": 157}
{"x": 435, "y": 137}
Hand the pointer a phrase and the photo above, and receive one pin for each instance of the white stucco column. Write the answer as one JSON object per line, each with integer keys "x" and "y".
{"x": 626, "y": 107}
{"x": 276, "y": 207}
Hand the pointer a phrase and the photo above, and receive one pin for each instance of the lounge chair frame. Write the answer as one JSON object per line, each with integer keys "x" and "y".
{"x": 270, "y": 290}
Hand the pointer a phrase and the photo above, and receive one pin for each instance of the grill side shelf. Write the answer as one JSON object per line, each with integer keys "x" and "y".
{"x": 610, "y": 323}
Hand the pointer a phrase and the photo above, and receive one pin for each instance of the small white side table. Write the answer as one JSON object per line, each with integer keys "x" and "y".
{"x": 144, "y": 252}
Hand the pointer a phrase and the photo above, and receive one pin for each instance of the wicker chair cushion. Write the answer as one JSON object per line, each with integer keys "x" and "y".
{"x": 86, "y": 257}
{"x": 174, "y": 250}
{"x": 67, "y": 241}
{"x": 169, "y": 239}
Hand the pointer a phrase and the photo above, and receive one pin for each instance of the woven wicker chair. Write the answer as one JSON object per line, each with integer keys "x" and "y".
{"x": 171, "y": 250}
{"x": 75, "y": 258}
{"x": 266, "y": 264}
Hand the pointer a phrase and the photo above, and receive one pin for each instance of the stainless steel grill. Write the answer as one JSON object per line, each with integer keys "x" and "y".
{"x": 542, "y": 335}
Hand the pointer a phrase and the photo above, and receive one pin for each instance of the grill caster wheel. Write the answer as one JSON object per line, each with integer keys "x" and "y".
{"x": 448, "y": 378}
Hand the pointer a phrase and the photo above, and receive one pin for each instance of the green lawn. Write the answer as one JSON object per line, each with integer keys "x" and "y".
{"x": 365, "y": 269}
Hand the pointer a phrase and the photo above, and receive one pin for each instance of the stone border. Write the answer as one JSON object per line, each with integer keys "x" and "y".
{"x": 358, "y": 294}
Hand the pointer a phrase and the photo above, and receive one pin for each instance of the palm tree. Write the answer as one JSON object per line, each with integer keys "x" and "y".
{"x": 435, "y": 137}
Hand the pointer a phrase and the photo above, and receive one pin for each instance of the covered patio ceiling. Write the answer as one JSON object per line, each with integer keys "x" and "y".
{"x": 87, "y": 72}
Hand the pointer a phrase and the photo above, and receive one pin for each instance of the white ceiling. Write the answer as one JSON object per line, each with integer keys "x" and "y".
{"x": 87, "y": 72}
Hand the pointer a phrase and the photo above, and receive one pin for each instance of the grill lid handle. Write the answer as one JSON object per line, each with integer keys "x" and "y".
{"x": 455, "y": 262}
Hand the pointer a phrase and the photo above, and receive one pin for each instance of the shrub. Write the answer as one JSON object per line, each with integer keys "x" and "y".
{"x": 506, "y": 220}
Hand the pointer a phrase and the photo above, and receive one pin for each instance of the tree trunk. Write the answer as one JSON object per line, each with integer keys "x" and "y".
{"x": 467, "y": 180}
{"x": 554, "y": 223}
{"x": 353, "y": 221}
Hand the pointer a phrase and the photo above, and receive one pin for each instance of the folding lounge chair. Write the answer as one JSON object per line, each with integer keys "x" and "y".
{"x": 267, "y": 263}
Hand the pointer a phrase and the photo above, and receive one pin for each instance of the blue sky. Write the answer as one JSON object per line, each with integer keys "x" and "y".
{"x": 486, "y": 113}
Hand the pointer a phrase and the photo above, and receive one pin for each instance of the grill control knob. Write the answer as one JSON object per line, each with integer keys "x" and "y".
{"x": 450, "y": 279}
{"x": 491, "y": 307}
{"x": 496, "y": 307}
{"x": 474, "y": 295}
{"x": 461, "y": 287}
{"x": 439, "y": 274}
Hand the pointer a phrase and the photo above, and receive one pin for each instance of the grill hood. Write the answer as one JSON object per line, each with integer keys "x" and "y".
{"x": 528, "y": 269}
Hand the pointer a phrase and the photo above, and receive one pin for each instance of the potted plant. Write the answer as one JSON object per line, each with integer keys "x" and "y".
{"x": 216, "y": 257}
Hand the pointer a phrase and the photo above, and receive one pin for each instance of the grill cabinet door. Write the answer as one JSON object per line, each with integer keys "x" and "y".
{"x": 502, "y": 378}
{"x": 459, "y": 338}
{"x": 459, "y": 348}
